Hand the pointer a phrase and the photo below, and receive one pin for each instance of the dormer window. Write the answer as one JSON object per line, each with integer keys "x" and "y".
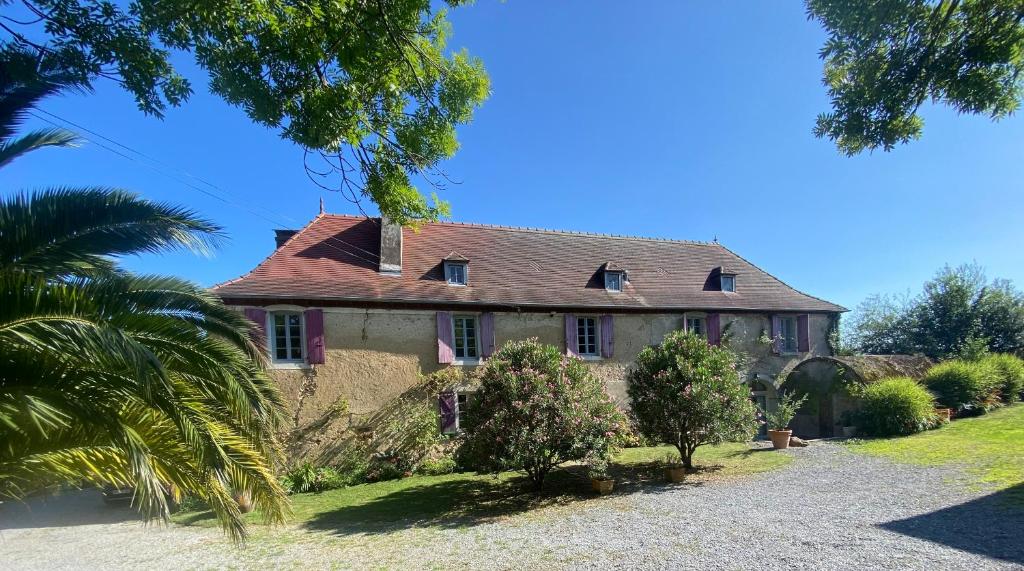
{"x": 614, "y": 277}
{"x": 729, "y": 282}
{"x": 456, "y": 269}
{"x": 613, "y": 281}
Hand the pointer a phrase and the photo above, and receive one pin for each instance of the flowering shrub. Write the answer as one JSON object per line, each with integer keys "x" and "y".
{"x": 687, "y": 393}
{"x": 535, "y": 409}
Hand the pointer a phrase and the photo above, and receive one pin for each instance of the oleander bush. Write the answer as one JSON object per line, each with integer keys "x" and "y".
{"x": 687, "y": 393}
{"x": 896, "y": 406}
{"x": 1009, "y": 369}
{"x": 536, "y": 409}
{"x": 967, "y": 387}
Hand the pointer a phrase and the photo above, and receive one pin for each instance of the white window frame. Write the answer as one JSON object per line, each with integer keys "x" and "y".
{"x": 597, "y": 337}
{"x": 731, "y": 277}
{"x": 783, "y": 347}
{"x": 476, "y": 338}
{"x": 449, "y": 274}
{"x": 607, "y": 278}
{"x": 288, "y": 363}
{"x": 702, "y": 320}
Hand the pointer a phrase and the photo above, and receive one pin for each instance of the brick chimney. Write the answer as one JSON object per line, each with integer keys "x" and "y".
{"x": 390, "y": 247}
{"x": 281, "y": 236}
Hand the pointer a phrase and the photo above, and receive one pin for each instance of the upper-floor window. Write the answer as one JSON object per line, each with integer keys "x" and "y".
{"x": 286, "y": 338}
{"x": 587, "y": 344}
{"x": 728, "y": 282}
{"x": 696, "y": 326}
{"x": 787, "y": 334}
{"x": 456, "y": 273}
{"x": 465, "y": 338}
{"x": 613, "y": 281}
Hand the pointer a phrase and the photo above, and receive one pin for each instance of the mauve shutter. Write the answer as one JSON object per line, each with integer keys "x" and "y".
{"x": 487, "y": 333}
{"x": 444, "y": 337}
{"x": 257, "y": 316}
{"x": 803, "y": 333}
{"x": 448, "y": 404}
{"x": 607, "y": 336}
{"x": 714, "y": 329}
{"x": 315, "y": 336}
{"x": 776, "y": 334}
{"x": 571, "y": 335}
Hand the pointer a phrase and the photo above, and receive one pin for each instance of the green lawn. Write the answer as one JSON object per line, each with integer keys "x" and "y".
{"x": 460, "y": 499}
{"x": 989, "y": 448}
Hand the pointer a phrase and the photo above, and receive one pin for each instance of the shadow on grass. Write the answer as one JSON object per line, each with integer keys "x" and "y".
{"x": 991, "y": 525}
{"x": 473, "y": 501}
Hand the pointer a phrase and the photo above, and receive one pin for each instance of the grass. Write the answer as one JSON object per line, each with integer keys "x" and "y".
{"x": 457, "y": 500}
{"x": 989, "y": 448}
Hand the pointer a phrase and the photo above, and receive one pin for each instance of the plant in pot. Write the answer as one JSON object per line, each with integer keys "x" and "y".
{"x": 600, "y": 480}
{"x": 779, "y": 419}
{"x": 674, "y": 469}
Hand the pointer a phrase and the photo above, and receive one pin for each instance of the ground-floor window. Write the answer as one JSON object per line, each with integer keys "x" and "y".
{"x": 696, "y": 326}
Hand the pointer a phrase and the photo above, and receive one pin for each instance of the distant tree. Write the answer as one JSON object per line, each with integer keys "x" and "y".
{"x": 687, "y": 393}
{"x": 537, "y": 408}
{"x": 366, "y": 85}
{"x": 958, "y": 314}
{"x": 886, "y": 58}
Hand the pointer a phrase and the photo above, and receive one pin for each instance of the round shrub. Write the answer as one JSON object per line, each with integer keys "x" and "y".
{"x": 1009, "y": 370}
{"x": 537, "y": 408}
{"x": 687, "y": 393}
{"x": 896, "y": 406}
{"x": 968, "y": 387}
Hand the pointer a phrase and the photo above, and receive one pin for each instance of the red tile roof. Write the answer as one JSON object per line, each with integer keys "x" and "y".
{"x": 335, "y": 259}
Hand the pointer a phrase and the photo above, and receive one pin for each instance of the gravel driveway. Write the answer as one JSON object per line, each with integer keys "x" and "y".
{"x": 830, "y": 509}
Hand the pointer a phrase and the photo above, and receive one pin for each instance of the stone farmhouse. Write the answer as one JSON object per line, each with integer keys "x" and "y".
{"x": 357, "y": 309}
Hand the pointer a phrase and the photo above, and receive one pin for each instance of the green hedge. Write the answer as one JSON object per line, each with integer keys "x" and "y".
{"x": 964, "y": 386}
{"x": 1009, "y": 370}
{"x": 896, "y": 406}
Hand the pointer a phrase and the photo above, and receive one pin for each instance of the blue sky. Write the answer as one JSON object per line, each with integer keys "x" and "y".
{"x": 682, "y": 120}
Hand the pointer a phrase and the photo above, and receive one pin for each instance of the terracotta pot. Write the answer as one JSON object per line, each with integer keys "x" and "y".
{"x": 945, "y": 414}
{"x": 244, "y": 502}
{"x": 603, "y": 487}
{"x": 780, "y": 438}
{"x": 849, "y": 431}
{"x": 675, "y": 474}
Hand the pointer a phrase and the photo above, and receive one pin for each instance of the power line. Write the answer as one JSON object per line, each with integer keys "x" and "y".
{"x": 225, "y": 199}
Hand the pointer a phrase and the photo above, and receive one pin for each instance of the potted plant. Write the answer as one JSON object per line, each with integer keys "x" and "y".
{"x": 600, "y": 481}
{"x": 779, "y": 419}
{"x": 674, "y": 469}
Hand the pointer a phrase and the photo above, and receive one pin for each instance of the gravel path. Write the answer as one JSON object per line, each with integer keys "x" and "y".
{"x": 830, "y": 509}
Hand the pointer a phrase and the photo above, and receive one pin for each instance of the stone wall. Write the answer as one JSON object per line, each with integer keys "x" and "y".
{"x": 375, "y": 356}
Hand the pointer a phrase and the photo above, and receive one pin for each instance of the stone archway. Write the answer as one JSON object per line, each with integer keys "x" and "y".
{"x": 826, "y": 382}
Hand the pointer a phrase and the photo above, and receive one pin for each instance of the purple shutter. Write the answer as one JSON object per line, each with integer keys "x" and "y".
{"x": 607, "y": 336}
{"x": 444, "y": 337}
{"x": 776, "y": 334}
{"x": 315, "y": 353}
{"x": 259, "y": 317}
{"x": 571, "y": 335}
{"x": 803, "y": 333}
{"x": 487, "y": 333}
{"x": 448, "y": 405}
{"x": 714, "y": 326}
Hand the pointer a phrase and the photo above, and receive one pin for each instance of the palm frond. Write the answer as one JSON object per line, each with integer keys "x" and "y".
{"x": 74, "y": 231}
{"x": 25, "y": 80}
{"x": 12, "y": 148}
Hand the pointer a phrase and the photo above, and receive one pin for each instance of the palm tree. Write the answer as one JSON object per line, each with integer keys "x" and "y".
{"x": 107, "y": 377}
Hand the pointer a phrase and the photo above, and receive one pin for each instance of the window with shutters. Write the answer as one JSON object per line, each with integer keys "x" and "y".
{"x": 286, "y": 333}
{"x": 587, "y": 342}
{"x": 461, "y": 402}
{"x": 465, "y": 340}
{"x": 787, "y": 334}
{"x": 696, "y": 326}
